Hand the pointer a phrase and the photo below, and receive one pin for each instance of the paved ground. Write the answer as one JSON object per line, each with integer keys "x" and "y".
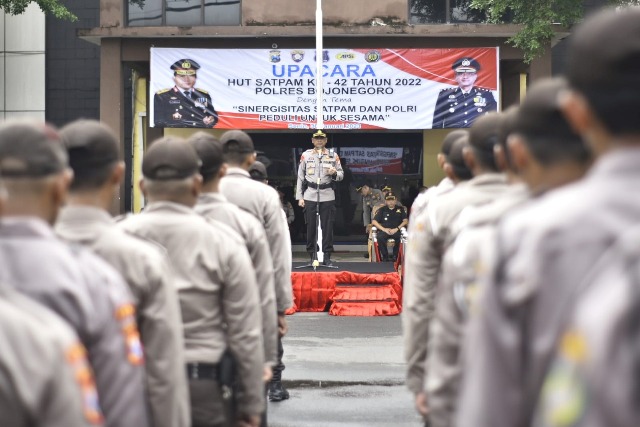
{"x": 344, "y": 371}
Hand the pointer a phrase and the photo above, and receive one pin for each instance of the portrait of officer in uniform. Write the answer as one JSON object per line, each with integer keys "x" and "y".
{"x": 459, "y": 107}
{"x": 184, "y": 105}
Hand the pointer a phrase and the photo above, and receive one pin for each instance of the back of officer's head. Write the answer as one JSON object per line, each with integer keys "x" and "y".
{"x": 34, "y": 168}
{"x": 507, "y": 121}
{"x": 483, "y": 137}
{"x": 209, "y": 149}
{"x": 171, "y": 171}
{"x": 94, "y": 152}
{"x": 545, "y": 131}
{"x": 448, "y": 140}
{"x": 456, "y": 158}
{"x": 604, "y": 65}
{"x": 237, "y": 147}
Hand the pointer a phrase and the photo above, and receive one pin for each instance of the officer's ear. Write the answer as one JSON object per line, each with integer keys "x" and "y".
{"x": 469, "y": 158}
{"x": 448, "y": 170}
{"x": 196, "y": 185}
{"x": 500, "y": 157}
{"x": 441, "y": 160}
{"x": 520, "y": 155}
{"x": 223, "y": 170}
{"x": 583, "y": 120}
{"x": 142, "y": 187}
{"x": 117, "y": 174}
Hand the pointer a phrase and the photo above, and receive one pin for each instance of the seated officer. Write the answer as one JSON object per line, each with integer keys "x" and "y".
{"x": 389, "y": 220}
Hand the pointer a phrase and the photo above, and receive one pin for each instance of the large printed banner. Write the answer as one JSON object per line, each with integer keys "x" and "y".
{"x": 362, "y": 88}
{"x": 370, "y": 160}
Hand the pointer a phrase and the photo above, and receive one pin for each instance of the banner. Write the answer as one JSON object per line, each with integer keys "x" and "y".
{"x": 369, "y": 160}
{"x": 362, "y": 88}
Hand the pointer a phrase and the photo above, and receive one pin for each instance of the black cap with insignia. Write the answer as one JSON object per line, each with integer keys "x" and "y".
{"x": 170, "y": 159}
{"x": 209, "y": 149}
{"x": 466, "y": 64}
{"x": 319, "y": 134}
{"x": 237, "y": 141}
{"x": 390, "y": 196}
{"x": 185, "y": 67}
{"x": 89, "y": 144}
{"x": 30, "y": 150}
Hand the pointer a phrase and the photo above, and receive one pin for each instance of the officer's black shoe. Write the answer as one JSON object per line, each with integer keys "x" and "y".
{"x": 311, "y": 257}
{"x": 327, "y": 260}
{"x": 277, "y": 392}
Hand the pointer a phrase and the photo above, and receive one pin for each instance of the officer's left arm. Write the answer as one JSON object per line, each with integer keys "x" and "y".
{"x": 211, "y": 112}
{"x": 492, "y": 105}
{"x": 405, "y": 220}
{"x": 339, "y": 174}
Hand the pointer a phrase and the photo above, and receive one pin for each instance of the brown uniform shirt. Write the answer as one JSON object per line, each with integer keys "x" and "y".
{"x": 218, "y": 294}
{"x": 146, "y": 270}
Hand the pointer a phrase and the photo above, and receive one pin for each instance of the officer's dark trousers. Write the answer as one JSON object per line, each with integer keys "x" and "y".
{"x": 327, "y": 218}
{"x": 277, "y": 370}
{"x": 207, "y": 409}
{"x": 382, "y": 244}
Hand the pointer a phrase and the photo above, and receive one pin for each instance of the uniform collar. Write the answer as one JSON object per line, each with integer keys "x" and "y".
{"x": 31, "y": 226}
{"x": 236, "y": 171}
{"x": 168, "y": 207}
{"x": 82, "y": 222}
{"x": 206, "y": 198}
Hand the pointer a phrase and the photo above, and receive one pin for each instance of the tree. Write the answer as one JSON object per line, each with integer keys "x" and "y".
{"x": 537, "y": 18}
{"x": 53, "y": 7}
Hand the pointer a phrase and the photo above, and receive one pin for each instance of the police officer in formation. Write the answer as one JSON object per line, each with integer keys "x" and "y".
{"x": 389, "y": 220}
{"x": 318, "y": 171}
{"x": 540, "y": 139}
{"x": 263, "y": 203}
{"x": 184, "y": 105}
{"x": 459, "y": 107}
{"x": 432, "y": 235}
{"x": 71, "y": 281}
{"x": 220, "y": 212}
{"x": 216, "y": 287}
{"x": 94, "y": 156}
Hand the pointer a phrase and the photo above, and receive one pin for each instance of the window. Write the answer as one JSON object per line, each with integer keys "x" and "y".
{"x": 183, "y": 13}
{"x": 443, "y": 12}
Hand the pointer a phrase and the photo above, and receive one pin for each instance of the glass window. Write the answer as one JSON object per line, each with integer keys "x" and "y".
{"x": 222, "y": 12}
{"x": 443, "y": 11}
{"x": 146, "y": 13}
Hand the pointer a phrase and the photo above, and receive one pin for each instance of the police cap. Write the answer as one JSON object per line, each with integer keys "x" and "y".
{"x": 237, "y": 141}
{"x": 390, "y": 196}
{"x": 466, "y": 64}
{"x": 89, "y": 144}
{"x": 359, "y": 188}
{"x": 30, "y": 150}
{"x": 209, "y": 150}
{"x": 386, "y": 188}
{"x": 170, "y": 159}
{"x": 258, "y": 170}
{"x": 319, "y": 135}
{"x": 185, "y": 67}
{"x": 539, "y": 114}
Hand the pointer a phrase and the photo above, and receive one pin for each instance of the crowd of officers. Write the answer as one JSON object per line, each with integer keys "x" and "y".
{"x": 172, "y": 317}
{"x": 522, "y": 274}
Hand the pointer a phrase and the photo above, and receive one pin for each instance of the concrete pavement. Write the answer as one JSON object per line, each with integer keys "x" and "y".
{"x": 344, "y": 371}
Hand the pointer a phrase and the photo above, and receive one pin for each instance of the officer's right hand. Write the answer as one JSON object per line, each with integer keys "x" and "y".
{"x": 249, "y": 421}
{"x": 421, "y": 404}
{"x": 301, "y": 203}
{"x": 369, "y": 228}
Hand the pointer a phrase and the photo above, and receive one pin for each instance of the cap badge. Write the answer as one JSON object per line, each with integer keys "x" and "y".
{"x": 186, "y": 65}
{"x": 466, "y": 63}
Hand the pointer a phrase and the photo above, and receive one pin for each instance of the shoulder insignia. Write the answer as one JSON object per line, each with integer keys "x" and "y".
{"x": 201, "y": 90}
{"x": 161, "y": 91}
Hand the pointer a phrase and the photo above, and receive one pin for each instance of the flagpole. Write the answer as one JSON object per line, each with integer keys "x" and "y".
{"x": 319, "y": 121}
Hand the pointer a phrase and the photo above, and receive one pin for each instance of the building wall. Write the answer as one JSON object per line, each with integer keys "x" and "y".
{"x": 22, "y": 64}
{"x": 73, "y": 66}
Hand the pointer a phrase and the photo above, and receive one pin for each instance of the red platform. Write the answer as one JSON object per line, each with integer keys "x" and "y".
{"x": 374, "y": 291}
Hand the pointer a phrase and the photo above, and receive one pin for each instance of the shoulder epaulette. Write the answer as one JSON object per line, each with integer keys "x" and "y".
{"x": 202, "y": 90}
{"x": 161, "y": 91}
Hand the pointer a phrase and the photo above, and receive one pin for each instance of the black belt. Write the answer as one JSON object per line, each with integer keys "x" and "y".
{"x": 202, "y": 371}
{"x": 318, "y": 187}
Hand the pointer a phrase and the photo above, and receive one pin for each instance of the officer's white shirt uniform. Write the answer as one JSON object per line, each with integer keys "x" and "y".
{"x": 146, "y": 270}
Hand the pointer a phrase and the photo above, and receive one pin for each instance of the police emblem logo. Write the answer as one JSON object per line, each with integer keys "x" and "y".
{"x": 297, "y": 55}
{"x": 186, "y": 65}
{"x": 372, "y": 56}
{"x": 466, "y": 63}
{"x": 274, "y": 56}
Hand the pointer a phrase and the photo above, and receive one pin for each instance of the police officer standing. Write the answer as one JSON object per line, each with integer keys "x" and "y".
{"x": 318, "y": 171}
{"x": 216, "y": 286}
{"x": 371, "y": 197}
{"x": 459, "y": 107}
{"x": 184, "y": 105}
{"x": 93, "y": 152}
{"x": 73, "y": 282}
{"x": 389, "y": 220}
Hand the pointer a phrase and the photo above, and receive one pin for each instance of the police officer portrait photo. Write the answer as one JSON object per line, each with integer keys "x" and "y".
{"x": 184, "y": 105}
{"x": 458, "y": 107}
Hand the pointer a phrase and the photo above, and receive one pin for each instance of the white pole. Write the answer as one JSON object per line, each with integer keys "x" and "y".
{"x": 319, "y": 123}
